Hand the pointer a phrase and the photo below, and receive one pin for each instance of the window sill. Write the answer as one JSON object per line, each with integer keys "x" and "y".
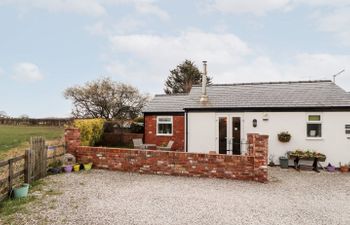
{"x": 168, "y": 135}
{"x": 314, "y": 138}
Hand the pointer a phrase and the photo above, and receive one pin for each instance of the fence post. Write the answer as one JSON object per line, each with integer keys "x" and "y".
{"x": 10, "y": 175}
{"x": 27, "y": 167}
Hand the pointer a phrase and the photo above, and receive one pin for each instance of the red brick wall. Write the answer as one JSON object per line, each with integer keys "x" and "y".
{"x": 169, "y": 162}
{"x": 72, "y": 139}
{"x": 178, "y": 132}
{"x": 252, "y": 166}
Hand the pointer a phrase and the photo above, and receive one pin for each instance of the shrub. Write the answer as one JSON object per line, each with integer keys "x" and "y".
{"x": 91, "y": 130}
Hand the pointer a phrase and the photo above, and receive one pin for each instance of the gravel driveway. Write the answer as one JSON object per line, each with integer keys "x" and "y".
{"x": 106, "y": 197}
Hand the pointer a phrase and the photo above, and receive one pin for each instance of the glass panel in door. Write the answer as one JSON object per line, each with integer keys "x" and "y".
{"x": 222, "y": 135}
{"x": 236, "y": 136}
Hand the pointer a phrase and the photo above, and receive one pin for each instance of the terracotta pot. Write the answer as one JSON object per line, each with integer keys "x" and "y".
{"x": 344, "y": 169}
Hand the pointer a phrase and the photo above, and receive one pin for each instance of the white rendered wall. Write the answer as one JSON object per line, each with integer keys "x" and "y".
{"x": 202, "y": 132}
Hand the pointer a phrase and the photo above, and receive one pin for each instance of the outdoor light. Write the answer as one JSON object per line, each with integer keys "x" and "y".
{"x": 255, "y": 123}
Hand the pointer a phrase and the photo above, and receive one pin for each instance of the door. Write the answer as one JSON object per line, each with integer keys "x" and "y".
{"x": 228, "y": 134}
{"x": 236, "y": 136}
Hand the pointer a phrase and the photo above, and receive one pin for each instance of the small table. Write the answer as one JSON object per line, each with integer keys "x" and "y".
{"x": 149, "y": 146}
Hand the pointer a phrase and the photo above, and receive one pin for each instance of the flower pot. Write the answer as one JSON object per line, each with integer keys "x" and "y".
{"x": 87, "y": 166}
{"x": 344, "y": 169}
{"x": 68, "y": 168}
{"x": 330, "y": 168}
{"x": 21, "y": 192}
{"x": 284, "y": 163}
{"x": 76, "y": 167}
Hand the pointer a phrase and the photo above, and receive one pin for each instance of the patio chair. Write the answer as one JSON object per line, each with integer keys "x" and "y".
{"x": 138, "y": 144}
{"x": 167, "y": 148}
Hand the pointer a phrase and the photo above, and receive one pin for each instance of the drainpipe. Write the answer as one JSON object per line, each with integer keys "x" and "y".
{"x": 204, "y": 97}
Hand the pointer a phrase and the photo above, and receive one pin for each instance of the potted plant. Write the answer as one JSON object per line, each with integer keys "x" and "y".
{"x": 76, "y": 167}
{"x": 283, "y": 162}
{"x": 343, "y": 168}
{"x": 87, "y": 164}
{"x": 21, "y": 191}
{"x": 68, "y": 168}
{"x": 330, "y": 168}
{"x": 284, "y": 136}
{"x": 55, "y": 167}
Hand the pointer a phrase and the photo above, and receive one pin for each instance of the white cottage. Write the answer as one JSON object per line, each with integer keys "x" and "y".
{"x": 218, "y": 118}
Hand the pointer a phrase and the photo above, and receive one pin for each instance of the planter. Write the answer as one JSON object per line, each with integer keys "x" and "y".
{"x": 76, "y": 167}
{"x": 284, "y": 163}
{"x": 330, "y": 168}
{"x": 21, "y": 192}
{"x": 68, "y": 168}
{"x": 344, "y": 169}
{"x": 284, "y": 137}
{"x": 87, "y": 166}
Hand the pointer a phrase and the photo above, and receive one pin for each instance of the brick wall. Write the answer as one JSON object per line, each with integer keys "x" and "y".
{"x": 178, "y": 132}
{"x": 249, "y": 167}
{"x": 72, "y": 139}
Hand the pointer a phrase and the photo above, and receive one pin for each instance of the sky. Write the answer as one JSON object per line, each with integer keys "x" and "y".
{"x": 48, "y": 46}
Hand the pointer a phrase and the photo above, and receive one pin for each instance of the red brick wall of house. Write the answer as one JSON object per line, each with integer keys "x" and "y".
{"x": 178, "y": 132}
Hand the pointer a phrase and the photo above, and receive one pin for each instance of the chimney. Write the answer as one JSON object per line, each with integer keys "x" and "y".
{"x": 204, "y": 97}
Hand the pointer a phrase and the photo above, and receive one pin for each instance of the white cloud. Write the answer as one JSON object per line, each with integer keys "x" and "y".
{"x": 87, "y": 7}
{"x": 145, "y": 60}
{"x": 337, "y": 22}
{"x": 26, "y": 71}
{"x": 256, "y": 7}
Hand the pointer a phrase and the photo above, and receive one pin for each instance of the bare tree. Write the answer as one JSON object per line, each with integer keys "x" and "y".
{"x": 3, "y": 114}
{"x": 104, "y": 98}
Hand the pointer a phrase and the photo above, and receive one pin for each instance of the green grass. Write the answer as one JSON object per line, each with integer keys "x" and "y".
{"x": 16, "y": 136}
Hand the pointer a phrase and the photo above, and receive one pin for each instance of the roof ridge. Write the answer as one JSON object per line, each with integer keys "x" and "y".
{"x": 271, "y": 82}
{"x": 176, "y": 94}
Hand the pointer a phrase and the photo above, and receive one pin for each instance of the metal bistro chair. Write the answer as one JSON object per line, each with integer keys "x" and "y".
{"x": 167, "y": 148}
{"x": 138, "y": 144}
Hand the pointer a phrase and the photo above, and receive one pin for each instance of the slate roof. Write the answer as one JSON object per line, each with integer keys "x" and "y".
{"x": 167, "y": 103}
{"x": 302, "y": 94}
{"x": 264, "y": 95}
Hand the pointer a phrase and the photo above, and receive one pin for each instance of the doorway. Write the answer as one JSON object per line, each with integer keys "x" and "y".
{"x": 228, "y": 134}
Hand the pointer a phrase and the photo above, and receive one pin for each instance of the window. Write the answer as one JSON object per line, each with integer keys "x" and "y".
{"x": 347, "y": 129}
{"x": 314, "y": 126}
{"x": 164, "y": 125}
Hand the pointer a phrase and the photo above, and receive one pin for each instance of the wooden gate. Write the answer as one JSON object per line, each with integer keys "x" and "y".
{"x": 37, "y": 159}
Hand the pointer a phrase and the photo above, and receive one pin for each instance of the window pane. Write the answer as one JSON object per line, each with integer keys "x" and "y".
{"x": 164, "y": 128}
{"x": 314, "y": 118}
{"x": 314, "y": 130}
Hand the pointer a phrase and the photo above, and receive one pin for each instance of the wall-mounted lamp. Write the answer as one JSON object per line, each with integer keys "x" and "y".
{"x": 255, "y": 123}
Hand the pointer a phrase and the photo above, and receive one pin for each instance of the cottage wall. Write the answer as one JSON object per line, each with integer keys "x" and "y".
{"x": 203, "y": 132}
{"x": 178, "y": 135}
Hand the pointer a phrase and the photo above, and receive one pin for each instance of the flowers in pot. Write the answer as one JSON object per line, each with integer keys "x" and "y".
{"x": 344, "y": 168}
{"x": 284, "y": 136}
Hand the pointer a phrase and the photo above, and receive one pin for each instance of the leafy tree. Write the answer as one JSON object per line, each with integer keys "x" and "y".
{"x": 183, "y": 77}
{"x": 104, "y": 98}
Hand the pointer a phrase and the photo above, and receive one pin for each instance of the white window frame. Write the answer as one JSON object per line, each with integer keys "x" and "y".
{"x": 314, "y": 122}
{"x": 171, "y": 122}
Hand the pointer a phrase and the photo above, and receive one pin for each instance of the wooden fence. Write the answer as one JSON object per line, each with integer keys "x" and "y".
{"x": 33, "y": 168}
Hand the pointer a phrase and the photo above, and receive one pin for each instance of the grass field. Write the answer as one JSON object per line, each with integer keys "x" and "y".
{"x": 16, "y": 136}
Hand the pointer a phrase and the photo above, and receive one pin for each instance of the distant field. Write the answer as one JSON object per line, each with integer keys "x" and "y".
{"x": 15, "y": 136}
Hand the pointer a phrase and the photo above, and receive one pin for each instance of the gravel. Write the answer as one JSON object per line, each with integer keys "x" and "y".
{"x": 108, "y": 197}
